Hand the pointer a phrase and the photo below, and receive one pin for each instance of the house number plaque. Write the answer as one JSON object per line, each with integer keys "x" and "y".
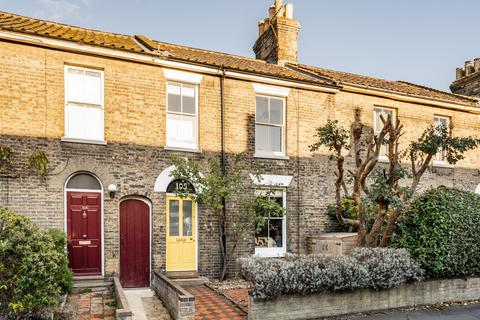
{"x": 180, "y": 185}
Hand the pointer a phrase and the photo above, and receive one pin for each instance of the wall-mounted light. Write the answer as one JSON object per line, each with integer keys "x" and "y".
{"x": 112, "y": 189}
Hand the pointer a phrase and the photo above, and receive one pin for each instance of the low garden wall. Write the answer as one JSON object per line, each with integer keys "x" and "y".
{"x": 179, "y": 302}
{"x": 362, "y": 300}
{"x": 123, "y": 311}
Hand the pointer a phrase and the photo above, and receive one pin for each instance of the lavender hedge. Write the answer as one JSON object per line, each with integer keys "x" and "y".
{"x": 308, "y": 274}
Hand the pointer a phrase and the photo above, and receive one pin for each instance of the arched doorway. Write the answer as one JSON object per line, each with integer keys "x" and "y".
{"x": 84, "y": 207}
{"x": 135, "y": 233}
{"x": 181, "y": 229}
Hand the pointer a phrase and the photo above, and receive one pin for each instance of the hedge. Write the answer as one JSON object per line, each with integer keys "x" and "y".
{"x": 308, "y": 274}
{"x": 442, "y": 231}
{"x": 33, "y": 267}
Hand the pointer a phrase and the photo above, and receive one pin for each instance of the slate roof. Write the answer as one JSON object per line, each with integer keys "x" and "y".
{"x": 293, "y": 72}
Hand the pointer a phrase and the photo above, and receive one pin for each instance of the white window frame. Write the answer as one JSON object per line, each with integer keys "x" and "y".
{"x": 168, "y": 144}
{"x": 376, "y": 131}
{"x": 436, "y": 160}
{"x": 101, "y": 106}
{"x": 275, "y": 251}
{"x": 266, "y": 154}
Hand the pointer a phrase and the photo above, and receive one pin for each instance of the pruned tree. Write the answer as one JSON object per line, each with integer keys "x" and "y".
{"x": 382, "y": 192}
{"x": 219, "y": 186}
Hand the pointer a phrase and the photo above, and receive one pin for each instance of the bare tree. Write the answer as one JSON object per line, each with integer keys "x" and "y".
{"x": 379, "y": 197}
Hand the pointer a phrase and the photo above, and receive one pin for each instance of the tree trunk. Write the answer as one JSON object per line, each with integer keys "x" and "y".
{"x": 372, "y": 237}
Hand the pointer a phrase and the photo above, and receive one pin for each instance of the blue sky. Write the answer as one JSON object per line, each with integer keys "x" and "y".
{"x": 420, "y": 41}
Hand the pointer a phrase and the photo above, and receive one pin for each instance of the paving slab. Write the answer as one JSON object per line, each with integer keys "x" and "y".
{"x": 145, "y": 305}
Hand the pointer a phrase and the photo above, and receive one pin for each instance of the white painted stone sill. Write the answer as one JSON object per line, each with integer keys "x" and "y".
{"x": 84, "y": 141}
{"x": 271, "y": 156}
{"x": 182, "y": 149}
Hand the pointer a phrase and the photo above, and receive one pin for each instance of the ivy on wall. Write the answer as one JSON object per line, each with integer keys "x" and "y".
{"x": 37, "y": 160}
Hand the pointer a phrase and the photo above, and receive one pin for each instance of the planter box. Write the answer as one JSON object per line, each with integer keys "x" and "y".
{"x": 362, "y": 300}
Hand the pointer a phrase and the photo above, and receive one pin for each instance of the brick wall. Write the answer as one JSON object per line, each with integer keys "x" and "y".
{"x": 32, "y": 103}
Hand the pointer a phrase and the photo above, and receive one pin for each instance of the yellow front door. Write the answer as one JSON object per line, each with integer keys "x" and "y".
{"x": 181, "y": 234}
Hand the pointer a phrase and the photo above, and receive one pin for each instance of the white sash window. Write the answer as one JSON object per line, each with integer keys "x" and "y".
{"x": 84, "y": 107}
{"x": 270, "y": 126}
{"x": 182, "y": 120}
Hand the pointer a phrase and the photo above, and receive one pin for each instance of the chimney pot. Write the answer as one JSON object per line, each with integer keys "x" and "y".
{"x": 289, "y": 11}
{"x": 460, "y": 73}
{"x": 271, "y": 12}
{"x": 476, "y": 64}
{"x": 469, "y": 67}
{"x": 278, "y": 5}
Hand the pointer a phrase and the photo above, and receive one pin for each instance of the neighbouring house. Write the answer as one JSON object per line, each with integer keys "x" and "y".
{"x": 109, "y": 109}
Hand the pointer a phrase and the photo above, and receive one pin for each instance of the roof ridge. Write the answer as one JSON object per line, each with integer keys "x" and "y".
{"x": 346, "y": 72}
{"x": 63, "y": 24}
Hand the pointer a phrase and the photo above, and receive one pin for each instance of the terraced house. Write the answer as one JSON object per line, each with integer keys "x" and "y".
{"x": 108, "y": 110}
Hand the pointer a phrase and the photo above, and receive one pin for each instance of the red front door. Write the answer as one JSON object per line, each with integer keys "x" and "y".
{"x": 134, "y": 244}
{"x": 84, "y": 230}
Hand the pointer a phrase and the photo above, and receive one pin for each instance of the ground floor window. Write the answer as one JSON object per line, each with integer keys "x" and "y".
{"x": 270, "y": 237}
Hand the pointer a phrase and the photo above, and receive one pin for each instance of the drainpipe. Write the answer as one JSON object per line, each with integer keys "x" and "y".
{"x": 222, "y": 107}
{"x": 223, "y": 165}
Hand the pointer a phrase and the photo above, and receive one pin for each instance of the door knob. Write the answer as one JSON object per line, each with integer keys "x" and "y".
{"x": 84, "y": 236}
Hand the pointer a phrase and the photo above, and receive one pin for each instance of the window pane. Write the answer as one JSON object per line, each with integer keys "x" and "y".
{"x": 262, "y": 138}
{"x": 187, "y": 218}
{"x": 261, "y": 238}
{"x": 84, "y": 122}
{"x": 276, "y": 111}
{"x": 83, "y": 181}
{"x": 181, "y": 131}
{"x": 276, "y": 233}
{"x": 84, "y": 86}
{"x": 262, "y": 110}
{"x": 188, "y": 99}
{"x": 174, "y": 102}
{"x": 275, "y": 139}
{"x": 173, "y": 221}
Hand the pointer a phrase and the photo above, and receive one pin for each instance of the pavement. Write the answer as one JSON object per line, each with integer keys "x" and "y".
{"x": 145, "y": 305}
{"x": 470, "y": 312}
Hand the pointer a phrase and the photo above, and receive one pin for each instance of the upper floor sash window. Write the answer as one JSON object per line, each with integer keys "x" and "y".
{"x": 378, "y": 127}
{"x": 270, "y": 126}
{"x": 182, "y": 116}
{"x": 440, "y": 157}
{"x": 84, "y": 104}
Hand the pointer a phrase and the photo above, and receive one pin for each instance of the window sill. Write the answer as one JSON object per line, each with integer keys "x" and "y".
{"x": 182, "y": 149}
{"x": 84, "y": 141}
{"x": 441, "y": 164}
{"x": 270, "y": 252}
{"x": 270, "y": 156}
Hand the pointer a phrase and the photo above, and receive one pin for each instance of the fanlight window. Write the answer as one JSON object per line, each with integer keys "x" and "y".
{"x": 84, "y": 181}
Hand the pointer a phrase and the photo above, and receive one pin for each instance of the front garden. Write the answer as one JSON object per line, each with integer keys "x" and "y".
{"x": 34, "y": 272}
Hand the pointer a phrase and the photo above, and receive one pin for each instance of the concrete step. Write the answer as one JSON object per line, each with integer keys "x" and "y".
{"x": 92, "y": 285}
{"x": 187, "y": 282}
{"x": 181, "y": 274}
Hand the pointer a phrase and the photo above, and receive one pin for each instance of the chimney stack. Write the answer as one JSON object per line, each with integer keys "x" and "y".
{"x": 277, "y": 41}
{"x": 467, "y": 79}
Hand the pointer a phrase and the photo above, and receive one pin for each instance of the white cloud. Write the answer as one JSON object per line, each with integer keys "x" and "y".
{"x": 61, "y": 10}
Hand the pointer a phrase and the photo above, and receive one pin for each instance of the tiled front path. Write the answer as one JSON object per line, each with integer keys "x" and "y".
{"x": 93, "y": 305}
{"x": 211, "y": 306}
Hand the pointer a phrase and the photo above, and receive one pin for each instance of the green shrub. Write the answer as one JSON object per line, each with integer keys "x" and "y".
{"x": 442, "y": 231}
{"x": 307, "y": 274}
{"x": 348, "y": 209}
{"x": 33, "y": 266}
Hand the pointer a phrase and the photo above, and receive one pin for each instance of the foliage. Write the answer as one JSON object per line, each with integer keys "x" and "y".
{"x": 215, "y": 189}
{"x": 5, "y": 154}
{"x": 307, "y": 274}
{"x": 381, "y": 189}
{"x": 39, "y": 162}
{"x": 33, "y": 266}
{"x": 442, "y": 232}
{"x": 379, "y": 264}
{"x": 348, "y": 209}
{"x": 332, "y": 136}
